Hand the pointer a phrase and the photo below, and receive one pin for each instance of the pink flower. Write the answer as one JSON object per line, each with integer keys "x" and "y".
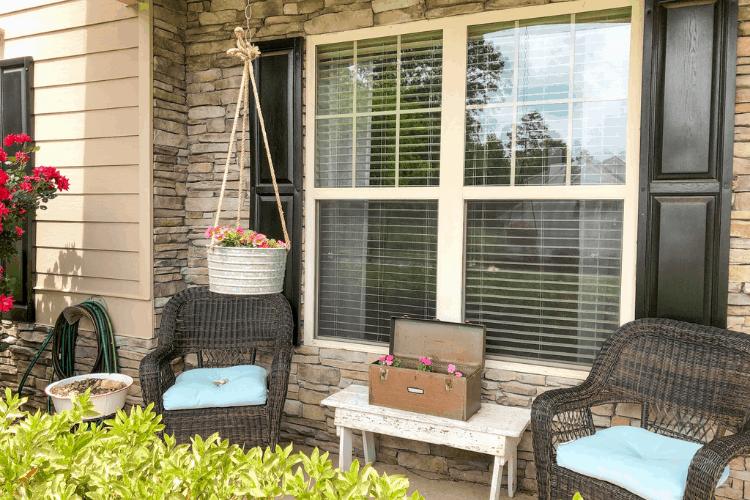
{"x": 458, "y": 374}
{"x": 389, "y": 362}
{"x": 427, "y": 361}
{"x": 389, "y": 357}
{"x": 19, "y": 231}
{"x": 451, "y": 368}
{"x": 209, "y": 232}
{"x": 382, "y": 358}
{"x": 22, "y": 157}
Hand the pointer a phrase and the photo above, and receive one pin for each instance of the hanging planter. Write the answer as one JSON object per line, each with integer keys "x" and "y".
{"x": 245, "y": 262}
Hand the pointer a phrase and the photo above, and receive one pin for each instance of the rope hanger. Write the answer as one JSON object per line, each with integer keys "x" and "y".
{"x": 248, "y": 53}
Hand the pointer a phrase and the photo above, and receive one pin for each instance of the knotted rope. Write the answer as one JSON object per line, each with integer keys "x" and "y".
{"x": 248, "y": 53}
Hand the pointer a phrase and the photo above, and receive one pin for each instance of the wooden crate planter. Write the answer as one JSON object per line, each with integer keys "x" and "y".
{"x": 437, "y": 392}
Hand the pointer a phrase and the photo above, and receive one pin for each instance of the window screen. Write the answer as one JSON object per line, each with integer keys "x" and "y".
{"x": 544, "y": 276}
{"x": 376, "y": 259}
{"x": 546, "y": 101}
{"x": 378, "y": 112}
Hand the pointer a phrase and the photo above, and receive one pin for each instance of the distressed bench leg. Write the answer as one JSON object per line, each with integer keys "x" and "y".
{"x": 512, "y": 470}
{"x": 368, "y": 442}
{"x": 345, "y": 448}
{"x": 497, "y": 477}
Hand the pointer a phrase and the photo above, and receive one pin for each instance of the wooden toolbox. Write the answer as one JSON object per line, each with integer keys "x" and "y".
{"x": 437, "y": 392}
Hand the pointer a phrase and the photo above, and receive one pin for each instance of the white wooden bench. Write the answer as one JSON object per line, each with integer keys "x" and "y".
{"x": 494, "y": 430}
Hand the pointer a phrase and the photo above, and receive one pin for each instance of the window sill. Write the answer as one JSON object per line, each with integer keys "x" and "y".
{"x": 572, "y": 372}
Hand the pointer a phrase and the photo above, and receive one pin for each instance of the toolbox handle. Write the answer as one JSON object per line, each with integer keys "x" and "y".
{"x": 415, "y": 390}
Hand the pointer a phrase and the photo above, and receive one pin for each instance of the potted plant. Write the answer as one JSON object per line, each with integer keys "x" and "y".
{"x": 107, "y": 391}
{"x": 244, "y": 262}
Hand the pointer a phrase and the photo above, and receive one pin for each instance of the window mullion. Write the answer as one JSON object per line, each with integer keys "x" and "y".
{"x": 515, "y": 107}
{"x": 354, "y": 117}
{"x": 398, "y": 110}
{"x": 450, "y": 200}
{"x": 569, "y": 159}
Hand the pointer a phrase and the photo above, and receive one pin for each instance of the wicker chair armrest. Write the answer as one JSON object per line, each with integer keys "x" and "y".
{"x": 156, "y": 375}
{"x": 709, "y": 463}
{"x": 572, "y": 407}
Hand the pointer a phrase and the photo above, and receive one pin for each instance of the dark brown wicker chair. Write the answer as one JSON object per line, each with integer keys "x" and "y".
{"x": 223, "y": 330}
{"x": 693, "y": 383}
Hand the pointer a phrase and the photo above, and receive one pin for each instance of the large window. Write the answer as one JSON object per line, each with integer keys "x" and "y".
{"x": 479, "y": 171}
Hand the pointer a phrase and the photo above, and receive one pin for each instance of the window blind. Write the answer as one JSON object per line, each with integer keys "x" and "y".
{"x": 547, "y": 100}
{"x": 376, "y": 259}
{"x": 544, "y": 276}
{"x": 378, "y": 112}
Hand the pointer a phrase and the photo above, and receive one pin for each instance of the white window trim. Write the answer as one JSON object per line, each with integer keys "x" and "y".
{"x": 451, "y": 206}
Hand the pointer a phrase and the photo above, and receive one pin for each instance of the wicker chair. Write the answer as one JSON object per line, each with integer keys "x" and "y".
{"x": 223, "y": 330}
{"x": 693, "y": 383}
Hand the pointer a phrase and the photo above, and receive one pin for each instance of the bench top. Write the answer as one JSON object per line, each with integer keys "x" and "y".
{"x": 491, "y": 418}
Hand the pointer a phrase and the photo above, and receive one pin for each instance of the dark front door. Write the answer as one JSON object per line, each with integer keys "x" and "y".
{"x": 278, "y": 72}
{"x": 685, "y": 187}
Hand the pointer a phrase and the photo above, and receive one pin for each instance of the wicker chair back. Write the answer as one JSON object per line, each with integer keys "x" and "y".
{"x": 692, "y": 381}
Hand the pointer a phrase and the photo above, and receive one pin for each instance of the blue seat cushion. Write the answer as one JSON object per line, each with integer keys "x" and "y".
{"x": 245, "y": 385}
{"x": 647, "y": 464}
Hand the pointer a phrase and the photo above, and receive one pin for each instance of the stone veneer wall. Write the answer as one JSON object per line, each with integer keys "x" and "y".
{"x": 170, "y": 151}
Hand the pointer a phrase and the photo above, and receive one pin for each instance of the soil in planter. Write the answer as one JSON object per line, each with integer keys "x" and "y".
{"x": 98, "y": 387}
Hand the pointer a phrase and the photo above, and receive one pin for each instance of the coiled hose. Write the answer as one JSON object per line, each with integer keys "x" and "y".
{"x": 64, "y": 337}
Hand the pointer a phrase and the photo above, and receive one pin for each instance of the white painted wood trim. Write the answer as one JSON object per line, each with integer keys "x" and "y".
{"x": 633, "y": 148}
{"x": 145, "y": 143}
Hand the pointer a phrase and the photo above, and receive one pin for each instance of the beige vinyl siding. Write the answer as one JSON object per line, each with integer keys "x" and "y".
{"x": 91, "y": 117}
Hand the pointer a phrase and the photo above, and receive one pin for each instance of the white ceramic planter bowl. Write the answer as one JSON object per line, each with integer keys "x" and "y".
{"x": 105, "y": 404}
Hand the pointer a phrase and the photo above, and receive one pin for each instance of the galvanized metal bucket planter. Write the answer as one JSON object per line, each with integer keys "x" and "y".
{"x": 246, "y": 271}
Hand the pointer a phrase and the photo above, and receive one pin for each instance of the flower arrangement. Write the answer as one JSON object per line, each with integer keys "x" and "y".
{"x": 226, "y": 236}
{"x": 389, "y": 360}
{"x": 21, "y": 195}
{"x": 425, "y": 365}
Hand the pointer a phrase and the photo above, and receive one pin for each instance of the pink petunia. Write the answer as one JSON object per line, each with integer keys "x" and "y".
{"x": 458, "y": 374}
{"x": 451, "y": 368}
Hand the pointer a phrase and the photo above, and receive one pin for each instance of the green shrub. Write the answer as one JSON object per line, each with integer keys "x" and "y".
{"x": 57, "y": 457}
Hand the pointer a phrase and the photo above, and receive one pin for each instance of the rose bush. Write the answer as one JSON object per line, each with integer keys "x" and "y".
{"x": 21, "y": 195}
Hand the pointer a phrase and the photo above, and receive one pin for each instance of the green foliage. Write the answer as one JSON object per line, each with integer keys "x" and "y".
{"x": 60, "y": 457}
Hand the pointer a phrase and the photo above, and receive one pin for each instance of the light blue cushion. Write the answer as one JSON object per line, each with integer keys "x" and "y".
{"x": 650, "y": 465}
{"x": 245, "y": 386}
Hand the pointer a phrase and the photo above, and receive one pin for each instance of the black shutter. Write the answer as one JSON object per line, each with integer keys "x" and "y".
{"x": 15, "y": 118}
{"x": 278, "y": 72}
{"x": 687, "y": 130}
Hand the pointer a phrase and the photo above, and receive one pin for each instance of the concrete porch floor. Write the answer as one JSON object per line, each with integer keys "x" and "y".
{"x": 432, "y": 489}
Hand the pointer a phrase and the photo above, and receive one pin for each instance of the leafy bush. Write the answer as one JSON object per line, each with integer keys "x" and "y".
{"x": 59, "y": 457}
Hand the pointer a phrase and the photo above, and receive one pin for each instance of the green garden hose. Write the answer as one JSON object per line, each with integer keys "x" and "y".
{"x": 64, "y": 337}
